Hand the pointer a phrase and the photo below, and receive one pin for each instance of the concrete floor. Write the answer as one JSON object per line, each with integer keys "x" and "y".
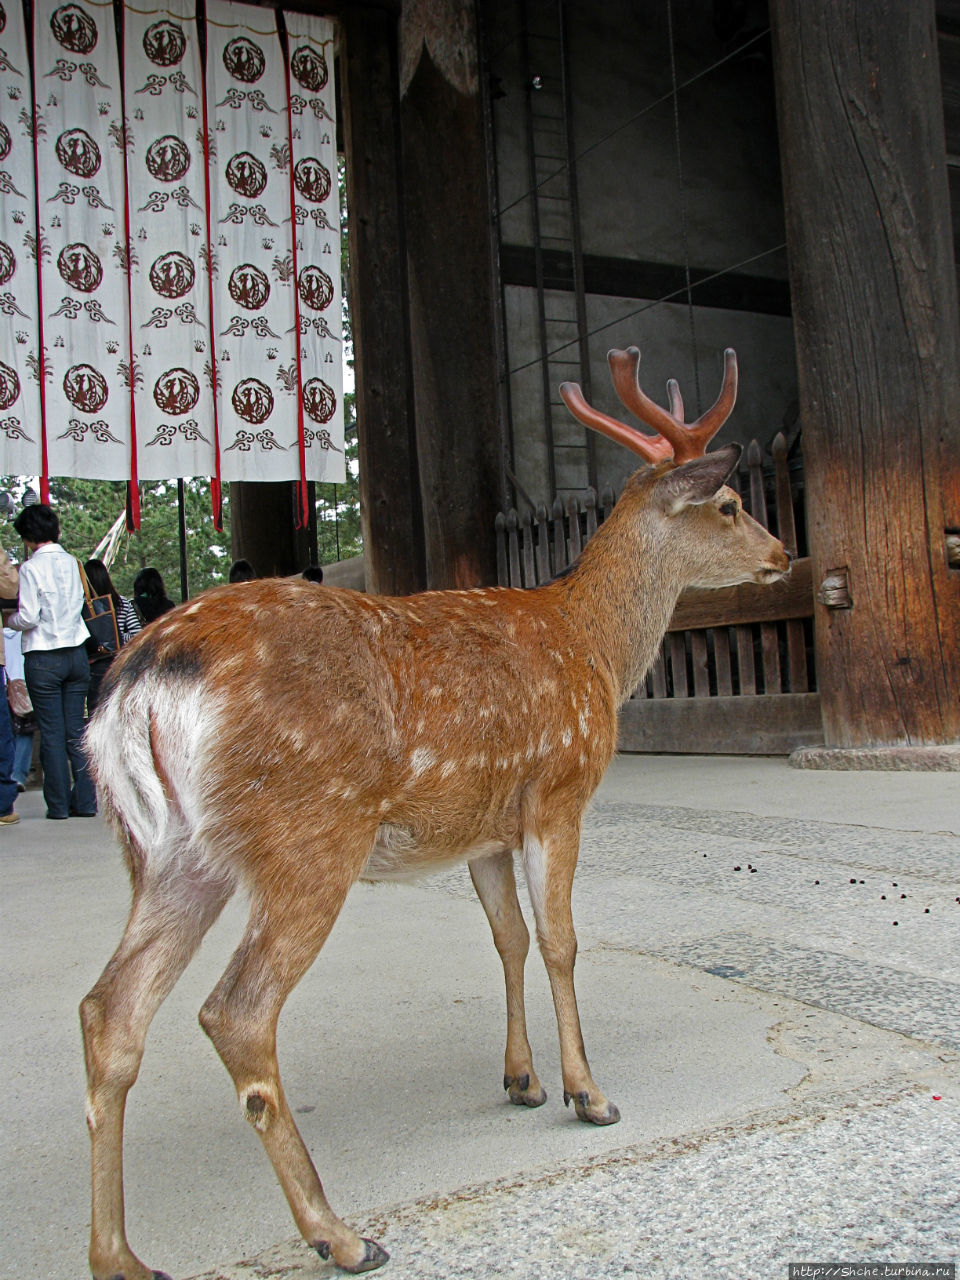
{"x": 786, "y": 1058}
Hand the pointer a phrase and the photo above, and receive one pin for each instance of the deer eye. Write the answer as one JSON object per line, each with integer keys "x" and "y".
{"x": 728, "y": 509}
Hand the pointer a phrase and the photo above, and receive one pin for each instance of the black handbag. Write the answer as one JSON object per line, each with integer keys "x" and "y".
{"x": 100, "y": 618}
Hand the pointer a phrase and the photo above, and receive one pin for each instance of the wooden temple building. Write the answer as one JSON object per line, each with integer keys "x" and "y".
{"x": 532, "y": 182}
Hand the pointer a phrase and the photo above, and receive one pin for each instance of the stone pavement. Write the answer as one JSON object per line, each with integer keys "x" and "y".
{"x": 786, "y": 1057}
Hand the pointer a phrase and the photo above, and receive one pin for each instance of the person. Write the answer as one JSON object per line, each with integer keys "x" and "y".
{"x": 150, "y": 595}
{"x": 23, "y": 720}
{"x": 128, "y": 620}
{"x": 55, "y": 664}
{"x": 312, "y": 573}
{"x": 9, "y": 585}
{"x": 242, "y": 571}
{"x": 128, "y": 624}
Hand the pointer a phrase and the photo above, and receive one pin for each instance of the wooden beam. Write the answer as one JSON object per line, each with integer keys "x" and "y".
{"x": 878, "y": 357}
{"x": 767, "y": 725}
{"x": 389, "y": 484}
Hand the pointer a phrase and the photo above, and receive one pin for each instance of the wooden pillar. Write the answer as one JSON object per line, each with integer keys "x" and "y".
{"x": 447, "y": 208}
{"x": 389, "y": 484}
{"x": 878, "y": 354}
{"x": 262, "y": 528}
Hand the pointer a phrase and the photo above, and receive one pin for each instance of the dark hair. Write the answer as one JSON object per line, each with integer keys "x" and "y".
{"x": 150, "y": 595}
{"x": 100, "y": 581}
{"x": 312, "y": 573}
{"x": 242, "y": 571}
{"x": 38, "y": 523}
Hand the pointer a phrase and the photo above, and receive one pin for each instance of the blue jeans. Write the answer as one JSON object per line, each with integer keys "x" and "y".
{"x": 22, "y": 757}
{"x": 57, "y": 681}
{"x": 8, "y": 786}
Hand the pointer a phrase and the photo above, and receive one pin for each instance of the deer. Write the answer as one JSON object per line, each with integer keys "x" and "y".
{"x": 455, "y": 725}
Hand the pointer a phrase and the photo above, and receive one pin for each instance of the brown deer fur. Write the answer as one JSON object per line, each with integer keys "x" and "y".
{"x": 288, "y": 739}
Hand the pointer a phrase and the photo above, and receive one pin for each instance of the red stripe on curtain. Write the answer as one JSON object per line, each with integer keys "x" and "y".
{"x": 216, "y": 492}
{"x": 303, "y": 504}
{"x": 42, "y": 354}
{"x": 133, "y": 488}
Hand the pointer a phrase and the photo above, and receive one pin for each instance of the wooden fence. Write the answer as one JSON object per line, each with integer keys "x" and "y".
{"x": 735, "y": 673}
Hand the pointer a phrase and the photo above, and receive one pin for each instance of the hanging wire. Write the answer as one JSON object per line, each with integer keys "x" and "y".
{"x": 656, "y": 302}
{"x": 638, "y": 115}
{"x": 684, "y": 235}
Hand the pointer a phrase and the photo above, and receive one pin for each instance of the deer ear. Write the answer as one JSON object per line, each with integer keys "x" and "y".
{"x": 697, "y": 481}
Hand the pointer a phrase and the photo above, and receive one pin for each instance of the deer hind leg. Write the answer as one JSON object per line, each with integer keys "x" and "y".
{"x": 496, "y": 888}
{"x": 550, "y": 859}
{"x": 162, "y": 934}
{"x": 283, "y": 938}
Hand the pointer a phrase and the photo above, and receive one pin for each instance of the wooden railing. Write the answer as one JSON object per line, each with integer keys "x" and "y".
{"x": 735, "y": 672}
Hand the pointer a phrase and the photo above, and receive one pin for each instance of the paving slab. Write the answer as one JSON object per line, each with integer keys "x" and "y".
{"x": 773, "y": 1044}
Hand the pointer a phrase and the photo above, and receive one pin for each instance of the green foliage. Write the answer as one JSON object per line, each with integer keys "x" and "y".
{"x": 338, "y": 505}
{"x": 88, "y": 508}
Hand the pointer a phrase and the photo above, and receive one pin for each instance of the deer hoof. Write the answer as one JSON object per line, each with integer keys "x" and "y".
{"x": 373, "y": 1256}
{"x": 157, "y": 1275}
{"x": 591, "y": 1112}
{"x": 521, "y": 1095}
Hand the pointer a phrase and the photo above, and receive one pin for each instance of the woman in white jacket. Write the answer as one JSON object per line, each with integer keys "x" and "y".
{"x": 55, "y": 662}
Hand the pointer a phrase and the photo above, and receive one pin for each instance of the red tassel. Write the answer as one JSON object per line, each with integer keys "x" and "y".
{"x": 302, "y": 520}
{"x": 216, "y": 499}
{"x": 133, "y": 507}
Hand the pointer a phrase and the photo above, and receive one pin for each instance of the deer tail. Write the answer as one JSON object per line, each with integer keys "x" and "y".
{"x": 145, "y": 748}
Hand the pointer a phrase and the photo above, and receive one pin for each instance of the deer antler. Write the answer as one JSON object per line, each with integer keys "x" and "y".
{"x": 675, "y": 438}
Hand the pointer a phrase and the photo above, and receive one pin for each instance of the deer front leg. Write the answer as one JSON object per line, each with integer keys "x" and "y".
{"x": 550, "y": 859}
{"x": 496, "y": 888}
{"x": 240, "y": 1016}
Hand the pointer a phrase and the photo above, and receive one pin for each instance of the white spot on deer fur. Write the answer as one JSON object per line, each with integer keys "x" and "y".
{"x": 566, "y": 737}
{"x": 435, "y": 692}
{"x": 449, "y": 767}
{"x": 421, "y": 760}
{"x": 584, "y": 717}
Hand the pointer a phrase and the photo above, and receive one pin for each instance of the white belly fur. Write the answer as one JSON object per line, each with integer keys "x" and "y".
{"x": 397, "y": 856}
